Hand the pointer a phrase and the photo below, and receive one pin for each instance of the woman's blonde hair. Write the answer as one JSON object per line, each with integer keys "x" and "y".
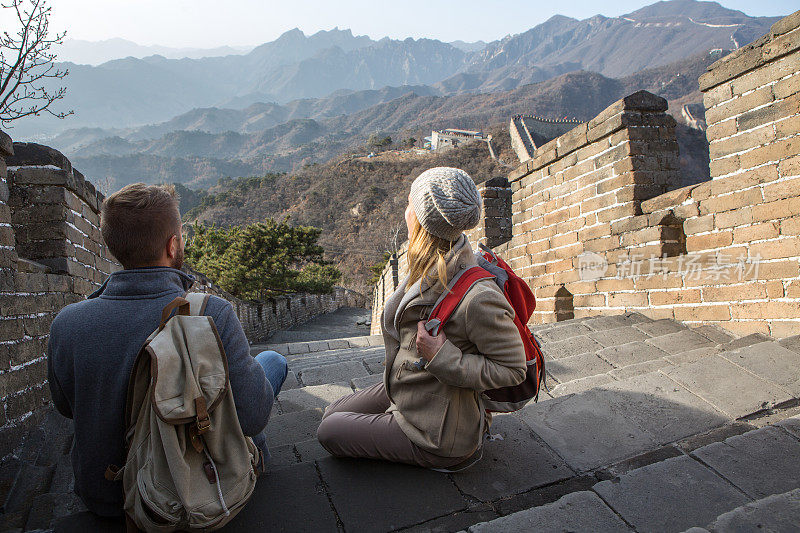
{"x": 425, "y": 252}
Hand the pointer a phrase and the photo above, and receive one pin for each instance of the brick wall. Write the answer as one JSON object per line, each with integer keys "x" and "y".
{"x": 262, "y": 318}
{"x": 601, "y": 227}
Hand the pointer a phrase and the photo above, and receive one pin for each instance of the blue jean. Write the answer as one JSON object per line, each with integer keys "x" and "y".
{"x": 276, "y": 369}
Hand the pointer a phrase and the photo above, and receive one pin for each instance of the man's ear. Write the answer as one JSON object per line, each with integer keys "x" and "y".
{"x": 173, "y": 247}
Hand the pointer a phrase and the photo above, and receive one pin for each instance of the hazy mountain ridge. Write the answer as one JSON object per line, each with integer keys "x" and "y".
{"x": 132, "y": 91}
{"x": 298, "y": 142}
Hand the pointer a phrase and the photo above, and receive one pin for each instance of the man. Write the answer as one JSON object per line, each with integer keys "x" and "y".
{"x": 93, "y": 343}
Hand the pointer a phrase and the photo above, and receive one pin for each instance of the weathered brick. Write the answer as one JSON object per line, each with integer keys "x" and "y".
{"x": 24, "y": 402}
{"x": 702, "y": 313}
{"x": 740, "y": 105}
{"x": 782, "y": 189}
{"x": 765, "y": 310}
{"x": 699, "y": 224}
{"x": 718, "y": 204}
{"x": 675, "y": 297}
{"x": 772, "y": 152}
{"x": 733, "y": 293}
{"x": 776, "y": 249}
{"x": 781, "y": 46}
{"x": 785, "y": 208}
{"x": 709, "y": 241}
{"x": 730, "y": 219}
{"x": 744, "y": 141}
{"x": 717, "y": 95}
{"x": 765, "y": 230}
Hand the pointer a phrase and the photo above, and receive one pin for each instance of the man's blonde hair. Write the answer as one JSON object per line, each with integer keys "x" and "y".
{"x": 137, "y": 222}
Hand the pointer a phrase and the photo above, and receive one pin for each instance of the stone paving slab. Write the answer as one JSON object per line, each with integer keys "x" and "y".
{"x": 380, "y": 496}
{"x": 574, "y": 346}
{"x": 630, "y": 353}
{"x": 663, "y": 326}
{"x": 714, "y": 333}
{"x": 293, "y": 427}
{"x": 600, "y": 323}
{"x": 515, "y": 464}
{"x": 670, "y": 496}
{"x": 366, "y": 381}
{"x": 585, "y": 431}
{"x": 681, "y": 341}
{"x": 456, "y": 521}
{"x": 730, "y": 388}
{"x": 339, "y": 372}
{"x": 792, "y": 425}
{"x": 561, "y": 333}
{"x": 290, "y": 382}
{"x": 693, "y": 355}
{"x": 578, "y": 366}
{"x": 662, "y": 408}
{"x": 311, "y": 450}
{"x": 312, "y": 397}
{"x": 579, "y": 511}
{"x": 761, "y": 462}
{"x": 290, "y": 499}
{"x": 792, "y": 343}
{"x": 747, "y": 340}
{"x": 777, "y": 513}
{"x": 772, "y": 362}
{"x": 617, "y": 336}
{"x": 638, "y": 369}
{"x": 581, "y": 385}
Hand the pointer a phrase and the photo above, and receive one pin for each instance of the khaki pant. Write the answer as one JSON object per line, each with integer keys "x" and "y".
{"x": 358, "y": 425}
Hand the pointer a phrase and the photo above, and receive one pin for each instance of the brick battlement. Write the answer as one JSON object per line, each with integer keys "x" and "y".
{"x": 601, "y": 222}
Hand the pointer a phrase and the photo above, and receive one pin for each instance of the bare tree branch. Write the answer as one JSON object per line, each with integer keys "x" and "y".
{"x": 23, "y": 89}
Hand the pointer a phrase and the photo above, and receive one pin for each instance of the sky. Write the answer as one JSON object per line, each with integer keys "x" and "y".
{"x": 212, "y": 23}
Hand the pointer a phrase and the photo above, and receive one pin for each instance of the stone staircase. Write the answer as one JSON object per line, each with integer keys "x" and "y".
{"x": 648, "y": 425}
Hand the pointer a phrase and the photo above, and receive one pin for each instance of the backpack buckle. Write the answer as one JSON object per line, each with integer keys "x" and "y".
{"x": 203, "y": 420}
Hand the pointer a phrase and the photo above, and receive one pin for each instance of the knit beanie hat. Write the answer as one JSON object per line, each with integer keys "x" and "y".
{"x": 446, "y": 202}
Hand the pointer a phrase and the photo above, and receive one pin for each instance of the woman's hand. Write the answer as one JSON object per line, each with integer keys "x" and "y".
{"x": 427, "y": 346}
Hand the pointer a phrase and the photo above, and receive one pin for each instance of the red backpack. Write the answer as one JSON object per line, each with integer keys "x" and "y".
{"x": 520, "y": 296}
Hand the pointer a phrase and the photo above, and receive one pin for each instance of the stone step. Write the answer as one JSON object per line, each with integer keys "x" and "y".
{"x": 298, "y": 348}
{"x": 779, "y": 512}
{"x": 744, "y": 482}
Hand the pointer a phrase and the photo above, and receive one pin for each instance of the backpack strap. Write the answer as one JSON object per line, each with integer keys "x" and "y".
{"x": 197, "y": 302}
{"x": 451, "y": 298}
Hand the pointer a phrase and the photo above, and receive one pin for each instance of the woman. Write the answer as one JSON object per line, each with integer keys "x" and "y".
{"x": 428, "y": 411}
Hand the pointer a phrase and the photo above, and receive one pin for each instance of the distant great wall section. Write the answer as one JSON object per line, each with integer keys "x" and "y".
{"x": 52, "y": 254}
{"x": 599, "y": 225}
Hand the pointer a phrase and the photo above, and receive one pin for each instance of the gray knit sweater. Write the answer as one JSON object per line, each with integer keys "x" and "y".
{"x": 92, "y": 348}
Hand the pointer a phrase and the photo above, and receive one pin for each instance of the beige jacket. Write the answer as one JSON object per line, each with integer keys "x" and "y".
{"x": 439, "y": 406}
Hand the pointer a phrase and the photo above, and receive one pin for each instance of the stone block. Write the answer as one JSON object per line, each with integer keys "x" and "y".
{"x": 338, "y": 372}
{"x": 663, "y": 326}
{"x": 693, "y": 355}
{"x": 630, "y": 353}
{"x": 380, "y": 496}
{"x": 577, "y": 386}
{"x": 293, "y": 427}
{"x": 585, "y": 431}
{"x": 6, "y": 145}
{"x": 669, "y": 496}
{"x": 579, "y": 511}
{"x": 792, "y": 343}
{"x": 563, "y": 332}
{"x": 618, "y": 336}
{"x": 747, "y": 340}
{"x": 661, "y": 408}
{"x": 584, "y": 365}
{"x": 791, "y": 424}
{"x": 311, "y": 450}
{"x": 714, "y": 333}
{"x": 726, "y": 386}
{"x": 780, "y": 512}
{"x": 312, "y": 397}
{"x": 515, "y": 464}
{"x": 288, "y": 499}
{"x": 771, "y": 362}
{"x": 680, "y": 341}
{"x": 32, "y": 480}
{"x": 638, "y": 369}
{"x": 760, "y": 462}
{"x": 290, "y": 382}
{"x": 297, "y": 348}
{"x": 570, "y": 347}
{"x": 366, "y": 381}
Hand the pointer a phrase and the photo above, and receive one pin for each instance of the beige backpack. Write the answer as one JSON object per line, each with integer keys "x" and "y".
{"x": 189, "y": 466}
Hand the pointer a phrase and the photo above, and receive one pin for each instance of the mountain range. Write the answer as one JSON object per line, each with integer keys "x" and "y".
{"x": 132, "y": 92}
